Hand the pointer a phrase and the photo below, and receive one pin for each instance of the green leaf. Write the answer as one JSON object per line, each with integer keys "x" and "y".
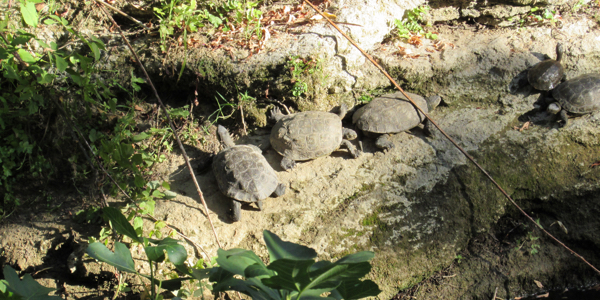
{"x": 291, "y": 274}
{"x": 169, "y": 195}
{"x": 166, "y": 185}
{"x": 27, "y": 288}
{"x": 61, "y": 63}
{"x": 237, "y": 260}
{"x": 121, "y": 258}
{"x": 29, "y": 14}
{"x": 120, "y": 223}
{"x": 176, "y": 252}
{"x": 95, "y": 50}
{"x": 356, "y": 289}
{"x": 279, "y": 249}
{"x": 26, "y": 56}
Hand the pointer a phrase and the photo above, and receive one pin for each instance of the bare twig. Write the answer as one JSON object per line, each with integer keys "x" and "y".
{"x": 187, "y": 159}
{"x": 122, "y": 13}
{"x": 448, "y": 137}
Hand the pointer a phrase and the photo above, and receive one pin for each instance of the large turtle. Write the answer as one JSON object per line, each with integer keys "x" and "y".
{"x": 580, "y": 95}
{"x": 547, "y": 74}
{"x": 244, "y": 175}
{"x": 392, "y": 113}
{"x": 308, "y": 135}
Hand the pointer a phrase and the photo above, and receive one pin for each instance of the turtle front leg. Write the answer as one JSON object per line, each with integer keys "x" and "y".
{"x": 564, "y": 117}
{"x": 384, "y": 143}
{"x": 279, "y": 191}
{"x": 259, "y": 203}
{"x": 355, "y": 152}
{"x": 287, "y": 163}
{"x": 236, "y": 210}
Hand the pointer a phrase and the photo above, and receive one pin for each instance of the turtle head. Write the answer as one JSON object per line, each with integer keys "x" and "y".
{"x": 553, "y": 108}
{"x": 343, "y": 110}
{"x": 560, "y": 50}
{"x": 225, "y": 137}
{"x": 433, "y": 102}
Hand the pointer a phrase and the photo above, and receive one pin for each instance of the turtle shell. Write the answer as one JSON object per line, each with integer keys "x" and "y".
{"x": 307, "y": 135}
{"x": 243, "y": 173}
{"x": 580, "y": 95}
{"x": 546, "y": 75}
{"x": 390, "y": 114}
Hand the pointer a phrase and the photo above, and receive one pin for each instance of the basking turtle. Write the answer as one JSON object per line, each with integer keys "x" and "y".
{"x": 243, "y": 174}
{"x": 308, "y": 135}
{"x": 580, "y": 95}
{"x": 391, "y": 114}
{"x": 547, "y": 74}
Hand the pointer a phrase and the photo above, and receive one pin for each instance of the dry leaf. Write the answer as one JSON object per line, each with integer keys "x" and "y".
{"x": 561, "y": 225}
{"x": 595, "y": 164}
{"x": 138, "y": 108}
{"x": 546, "y": 295}
{"x": 539, "y": 284}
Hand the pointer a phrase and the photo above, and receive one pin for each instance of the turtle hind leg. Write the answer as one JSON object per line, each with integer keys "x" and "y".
{"x": 287, "y": 163}
{"x": 384, "y": 143}
{"x": 236, "y": 210}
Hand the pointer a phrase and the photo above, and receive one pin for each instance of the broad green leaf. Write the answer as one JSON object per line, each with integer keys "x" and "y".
{"x": 139, "y": 181}
{"x": 120, "y": 223}
{"x": 291, "y": 274}
{"x": 121, "y": 258}
{"x": 170, "y": 285}
{"x": 176, "y": 252}
{"x": 355, "y": 289}
{"x": 279, "y": 249}
{"x": 10, "y": 72}
{"x": 61, "y": 63}
{"x": 29, "y": 14}
{"x": 257, "y": 270}
{"x": 95, "y": 50}
{"x": 27, "y": 288}
{"x": 237, "y": 260}
{"x": 166, "y": 185}
{"x": 169, "y": 195}
{"x": 359, "y": 257}
{"x": 26, "y": 56}
{"x": 200, "y": 274}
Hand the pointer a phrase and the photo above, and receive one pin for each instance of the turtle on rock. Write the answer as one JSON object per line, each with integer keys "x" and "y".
{"x": 309, "y": 135}
{"x": 547, "y": 74}
{"x": 244, "y": 174}
{"x": 580, "y": 95}
{"x": 392, "y": 113}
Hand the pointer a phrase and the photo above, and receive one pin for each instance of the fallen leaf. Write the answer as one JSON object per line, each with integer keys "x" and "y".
{"x": 546, "y": 295}
{"x": 595, "y": 164}
{"x": 539, "y": 284}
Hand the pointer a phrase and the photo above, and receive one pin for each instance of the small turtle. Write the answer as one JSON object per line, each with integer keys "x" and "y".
{"x": 580, "y": 95}
{"x": 547, "y": 74}
{"x": 308, "y": 135}
{"x": 244, "y": 175}
{"x": 391, "y": 114}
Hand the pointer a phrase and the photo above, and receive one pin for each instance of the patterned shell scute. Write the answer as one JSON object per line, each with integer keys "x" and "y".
{"x": 390, "y": 114}
{"x": 546, "y": 75}
{"x": 307, "y": 135}
{"x": 579, "y": 95}
{"x": 243, "y": 173}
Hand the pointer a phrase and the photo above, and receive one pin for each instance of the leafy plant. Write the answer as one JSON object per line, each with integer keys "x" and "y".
{"x": 540, "y": 16}
{"x": 411, "y": 23}
{"x": 292, "y": 272}
{"x": 14, "y": 288}
{"x": 299, "y": 68}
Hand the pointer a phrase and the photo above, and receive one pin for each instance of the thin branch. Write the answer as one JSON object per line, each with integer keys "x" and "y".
{"x": 187, "y": 160}
{"x": 449, "y": 138}
{"x": 122, "y": 13}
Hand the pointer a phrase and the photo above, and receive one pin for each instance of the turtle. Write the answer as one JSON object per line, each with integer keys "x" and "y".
{"x": 580, "y": 95}
{"x": 392, "y": 113}
{"x": 308, "y": 135}
{"x": 547, "y": 74}
{"x": 244, "y": 175}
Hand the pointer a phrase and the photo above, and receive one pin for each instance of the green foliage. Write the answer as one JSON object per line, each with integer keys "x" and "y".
{"x": 538, "y": 16}
{"x": 458, "y": 258}
{"x": 27, "y": 289}
{"x": 292, "y": 272}
{"x": 184, "y": 16}
{"x": 411, "y": 23}
{"x": 299, "y": 68}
